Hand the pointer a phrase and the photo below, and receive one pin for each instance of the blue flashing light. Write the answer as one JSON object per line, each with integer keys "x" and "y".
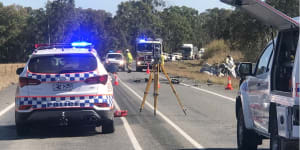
{"x": 142, "y": 41}
{"x": 81, "y": 44}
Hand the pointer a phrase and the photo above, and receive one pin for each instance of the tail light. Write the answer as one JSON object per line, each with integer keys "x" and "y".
{"x": 25, "y": 107}
{"x": 28, "y": 81}
{"x": 141, "y": 59}
{"x": 97, "y": 79}
{"x": 101, "y": 104}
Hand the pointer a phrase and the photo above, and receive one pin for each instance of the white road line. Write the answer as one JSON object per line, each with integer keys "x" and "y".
{"x": 177, "y": 128}
{"x": 129, "y": 131}
{"x": 7, "y": 109}
{"x": 210, "y": 92}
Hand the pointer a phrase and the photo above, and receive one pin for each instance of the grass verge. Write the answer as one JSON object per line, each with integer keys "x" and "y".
{"x": 8, "y": 74}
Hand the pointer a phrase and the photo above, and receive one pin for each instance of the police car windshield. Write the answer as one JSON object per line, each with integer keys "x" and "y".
{"x": 66, "y": 63}
{"x": 114, "y": 56}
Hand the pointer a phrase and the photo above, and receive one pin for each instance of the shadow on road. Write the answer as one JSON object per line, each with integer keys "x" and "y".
{"x": 8, "y": 132}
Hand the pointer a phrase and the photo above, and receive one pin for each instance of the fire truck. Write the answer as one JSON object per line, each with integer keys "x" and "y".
{"x": 144, "y": 48}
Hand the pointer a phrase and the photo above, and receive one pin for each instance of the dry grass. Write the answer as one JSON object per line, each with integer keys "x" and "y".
{"x": 191, "y": 69}
{"x": 8, "y": 74}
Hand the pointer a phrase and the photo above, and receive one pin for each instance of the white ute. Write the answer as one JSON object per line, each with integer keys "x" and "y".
{"x": 64, "y": 84}
{"x": 268, "y": 102}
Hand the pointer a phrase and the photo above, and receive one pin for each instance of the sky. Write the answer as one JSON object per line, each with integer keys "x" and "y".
{"x": 112, "y": 5}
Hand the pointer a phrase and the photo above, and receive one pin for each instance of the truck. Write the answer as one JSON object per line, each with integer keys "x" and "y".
{"x": 189, "y": 51}
{"x": 267, "y": 105}
{"x": 143, "y": 50}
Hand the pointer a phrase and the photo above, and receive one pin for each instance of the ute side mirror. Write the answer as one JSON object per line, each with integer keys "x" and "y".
{"x": 245, "y": 69}
{"x": 19, "y": 71}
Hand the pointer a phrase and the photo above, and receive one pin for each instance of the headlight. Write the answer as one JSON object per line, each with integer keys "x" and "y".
{"x": 139, "y": 63}
{"x": 121, "y": 62}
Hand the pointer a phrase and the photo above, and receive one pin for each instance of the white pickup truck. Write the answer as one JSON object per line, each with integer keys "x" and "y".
{"x": 268, "y": 102}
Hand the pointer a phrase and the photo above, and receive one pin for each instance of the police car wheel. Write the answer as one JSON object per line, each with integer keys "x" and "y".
{"x": 246, "y": 139}
{"x": 108, "y": 126}
{"x": 275, "y": 141}
{"x": 21, "y": 129}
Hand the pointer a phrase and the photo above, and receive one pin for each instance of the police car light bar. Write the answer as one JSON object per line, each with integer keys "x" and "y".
{"x": 81, "y": 44}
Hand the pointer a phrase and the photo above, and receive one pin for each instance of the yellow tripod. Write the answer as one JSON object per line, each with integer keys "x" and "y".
{"x": 155, "y": 71}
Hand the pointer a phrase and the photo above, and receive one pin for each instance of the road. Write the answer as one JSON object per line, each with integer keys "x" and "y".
{"x": 210, "y": 122}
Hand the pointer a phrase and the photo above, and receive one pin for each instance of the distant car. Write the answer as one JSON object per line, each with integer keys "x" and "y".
{"x": 117, "y": 59}
{"x": 178, "y": 56}
{"x": 64, "y": 85}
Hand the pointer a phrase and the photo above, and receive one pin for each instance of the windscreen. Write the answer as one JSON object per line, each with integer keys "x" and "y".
{"x": 186, "y": 50}
{"x": 67, "y": 63}
{"x": 114, "y": 56}
{"x": 146, "y": 47}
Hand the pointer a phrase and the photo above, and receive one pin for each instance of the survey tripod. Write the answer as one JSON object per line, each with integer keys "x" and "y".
{"x": 156, "y": 67}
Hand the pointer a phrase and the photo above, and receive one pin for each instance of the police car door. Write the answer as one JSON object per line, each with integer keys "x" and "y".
{"x": 259, "y": 86}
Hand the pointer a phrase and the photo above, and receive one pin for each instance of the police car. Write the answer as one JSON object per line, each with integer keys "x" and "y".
{"x": 64, "y": 84}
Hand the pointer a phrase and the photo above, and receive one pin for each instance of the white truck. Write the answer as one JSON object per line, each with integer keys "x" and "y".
{"x": 189, "y": 51}
{"x": 267, "y": 105}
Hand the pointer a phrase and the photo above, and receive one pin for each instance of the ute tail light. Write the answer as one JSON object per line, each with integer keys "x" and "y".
{"x": 101, "y": 104}
{"x": 28, "y": 81}
{"x": 25, "y": 107}
{"x": 98, "y": 79}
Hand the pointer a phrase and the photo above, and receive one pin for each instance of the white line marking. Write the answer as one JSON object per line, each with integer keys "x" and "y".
{"x": 210, "y": 92}
{"x": 7, "y": 109}
{"x": 177, "y": 128}
{"x": 129, "y": 131}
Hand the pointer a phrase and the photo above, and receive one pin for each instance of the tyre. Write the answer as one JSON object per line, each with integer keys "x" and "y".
{"x": 21, "y": 129}
{"x": 139, "y": 69}
{"x": 123, "y": 69}
{"x": 246, "y": 139}
{"x": 108, "y": 126}
{"x": 275, "y": 141}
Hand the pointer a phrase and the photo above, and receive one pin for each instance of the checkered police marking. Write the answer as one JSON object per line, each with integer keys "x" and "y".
{"x": 64, "y": 102}
{"x": 62, "y": 77}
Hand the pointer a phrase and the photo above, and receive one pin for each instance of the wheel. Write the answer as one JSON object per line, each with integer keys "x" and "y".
{"x": 21, "y": 129}
{"x": 139, "y": 69}
{"x": 123, "y": 69}
{"x": 108, "y": 126}
{"x": 246, "y": 139}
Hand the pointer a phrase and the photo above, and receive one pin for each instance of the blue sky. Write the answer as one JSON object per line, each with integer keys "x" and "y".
{"x": 111, "y": 5}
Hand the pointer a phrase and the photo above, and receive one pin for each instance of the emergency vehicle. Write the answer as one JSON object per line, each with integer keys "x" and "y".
{"x": 144, "y": 48}
{"x": 268, "y": 102}
{"x": 64, "y": 84}
{"x": 115, "y": 58}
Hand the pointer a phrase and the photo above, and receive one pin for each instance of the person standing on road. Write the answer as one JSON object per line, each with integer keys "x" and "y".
{"x": 129, "y": 60}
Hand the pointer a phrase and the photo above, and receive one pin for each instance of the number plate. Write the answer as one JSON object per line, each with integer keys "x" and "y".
{"x": 62, "y": 86}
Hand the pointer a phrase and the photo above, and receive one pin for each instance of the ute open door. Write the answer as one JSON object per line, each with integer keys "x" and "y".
{"x": 265, "y": 13}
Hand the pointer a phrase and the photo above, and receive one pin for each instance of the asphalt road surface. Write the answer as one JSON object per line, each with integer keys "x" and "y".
{"x": 210, "y": 122}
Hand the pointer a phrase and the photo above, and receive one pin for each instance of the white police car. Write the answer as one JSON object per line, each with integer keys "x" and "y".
{"x": 64, "y": 84}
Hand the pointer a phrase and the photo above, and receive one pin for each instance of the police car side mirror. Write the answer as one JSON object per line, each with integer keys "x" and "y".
{"x": 19, "y": 71}
{"x": 245, "y": 69}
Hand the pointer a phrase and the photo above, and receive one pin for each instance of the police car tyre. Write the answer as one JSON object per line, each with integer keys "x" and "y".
{"x": 108, "y": 126}
{"x": 246, "y": 139}
{"x": 21, "y": 129}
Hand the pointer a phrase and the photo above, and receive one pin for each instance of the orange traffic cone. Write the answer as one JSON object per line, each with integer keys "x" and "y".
{"x": 148, "y": 70}
{"x": 116, "y": 79}
{"x": 229, "y": 86}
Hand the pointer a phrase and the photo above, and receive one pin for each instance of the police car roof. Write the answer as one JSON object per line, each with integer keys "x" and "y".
{"x": 63, "y": 51}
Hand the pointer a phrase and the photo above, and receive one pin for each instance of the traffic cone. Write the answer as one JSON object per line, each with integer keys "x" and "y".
{"x": 116, "y": 79}
{"x": 148, "y": 70}
{"x": 229, "y": 86}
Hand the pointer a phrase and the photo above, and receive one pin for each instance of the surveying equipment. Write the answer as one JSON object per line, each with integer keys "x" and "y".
{"x": 156, "y": 67}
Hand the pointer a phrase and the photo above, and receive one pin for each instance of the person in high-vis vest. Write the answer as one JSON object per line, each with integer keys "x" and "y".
{"x": 129, "y": 60}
